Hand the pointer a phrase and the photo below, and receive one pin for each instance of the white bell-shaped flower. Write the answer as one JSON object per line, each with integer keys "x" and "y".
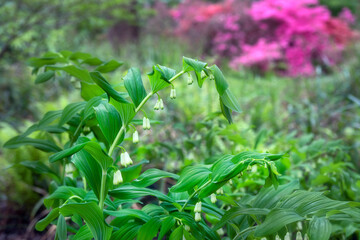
{"x": 117, "y": 178}
{"x": 197, "y": 208}
{"x": 135, "y": 137}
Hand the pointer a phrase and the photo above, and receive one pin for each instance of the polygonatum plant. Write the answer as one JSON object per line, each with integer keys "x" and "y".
{"x": 97, "y": 191}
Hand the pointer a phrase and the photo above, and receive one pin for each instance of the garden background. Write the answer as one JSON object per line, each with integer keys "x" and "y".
{"x": 294, "y": 66}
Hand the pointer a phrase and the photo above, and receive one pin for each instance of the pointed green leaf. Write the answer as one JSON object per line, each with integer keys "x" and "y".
{"x": 93, "y": 217}
{"x": 41, "y": 144}
{"x": 134, "y": 85}
{"x": 64, "y": 193}
{"x": 159, "y": 77}
{"x": 109, "y": 66}
{"x": 41, "y": 168}
{"x": 43, "y": 223}
{"x": 127, "y": 191}
{"x": 70, "y": 111}
{"x": 109, "y": 120}
{"x": 151, "y": 176}
{"x": 220, "y": 82}
{"x": 61, "y": 229}
{"x": 177, "y": 234}
{"x": 275, "y": 220}
{"x": 74, "y": 71}
{"x": 45, "y": 76}
{"x": 166, "y": 226}
{"x": 190, "y": 177}
{"x": 83, "y": 233}
{"x": 230, "y": 101}
{"x": 319, "y": 228}
{"x": 149, "y": 230}
{"x": 90, "y": 169}
{"x": 101, "y": 81}
{"x": 126, "y": 111}
{"x": 190, "y": 64}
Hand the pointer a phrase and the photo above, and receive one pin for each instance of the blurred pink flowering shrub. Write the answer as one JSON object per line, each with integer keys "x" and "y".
{"x": 267, "y": 34}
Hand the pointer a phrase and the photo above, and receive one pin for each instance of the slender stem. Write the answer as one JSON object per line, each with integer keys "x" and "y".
{"x": 193, "y": 194}
{"x": 113, "y": 145}
{"x": 177, "y": 75}
{"x": 102, "y": 189}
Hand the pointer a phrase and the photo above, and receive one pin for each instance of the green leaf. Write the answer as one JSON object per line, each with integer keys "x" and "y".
{"x": 151, "y": 176}
{"x": 94, "y": 61}
{"x": 226, "y": 112}
{"x": 126, "y": 111}
{"x": 275, "y": 220}
{"x": 70, "y": 111}
{"x": 230, "y": 101}
{"x": 159, "y": 77}
{"x": 41, "y": 144}
{"x": 41, "y": 168}
{"x": 79, "y": 55}
{"x": 269, "y": 197}
{"x": 90, "y": 90}
{"x": 109, "y": 66}
{"x": 190, "y": 177}
{"x": 134, "y": 85}
{"x": 127, "y": 191}
{"x": 111, "y": 92}
{"x": 177, "y": 234}
{"x": 83, "y": 233}
{"x": 133, "y": 213}
{"x": 61, "y": 229}
{"x": 109, "y": 121}
{"x": 48, "y": 118}
{"x": 190, "y": 64}
{"x": 132, "y": 172}
{"x": 220, "y": 82}
{"x": 89, "y": 107}
{"x": 150, "y": 229}
{"x": 319, "y": 228}
{"x": 93, "y": 217}
{"x": 64, "y": 193}
{"x": 126, "y": 231}
{"x": 74, "y": 71}
{"x": 66, "y": 152}
{"x": 45, "y": 76}
{"x": 166, "y": 226}
{"x": 239, "y": 211}
{"x": 40, "y": 62}
{"x": 91, "y": 147}
{"x": 194, "y": 65}
{"x": 90, "y": 169}
{"x": 43, "y": 223}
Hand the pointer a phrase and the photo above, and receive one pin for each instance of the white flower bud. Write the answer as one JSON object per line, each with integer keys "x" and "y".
{"x": 117, "y": 178}
{"x": 173, "y": 93}
{"x": 306, "y": 237}
{"x": 69, "y": 168}
{"x": 144, "y": 123}
{"x": 197, "y": 217}
{"x": 220, "y": 231}
{"x": 187, "y": 228}
{"x": 213, "y": 198}
{"x": 299, "y": 236}
{"x": 287, "y": 236}
{"x": 148, "y": 126}
{"x": 190, "y": 79}
{"x": 212, "y": 77}
{"x": 123, "y": 159}
{"x": 126, "y": 159}
{"x": 157, "y": 107}
{"x": 264, "y": 238}
{"x": 135, "y": 137}
{"x": 231, "y": 182}
{"x": 220, "y": 191}
{"x": 299, "y": 226}
{"x": 203, "y": 74}
{"x": 161, "y": 105}
{"x": 197, "y": 208}
{"x": 277, "y": 237}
